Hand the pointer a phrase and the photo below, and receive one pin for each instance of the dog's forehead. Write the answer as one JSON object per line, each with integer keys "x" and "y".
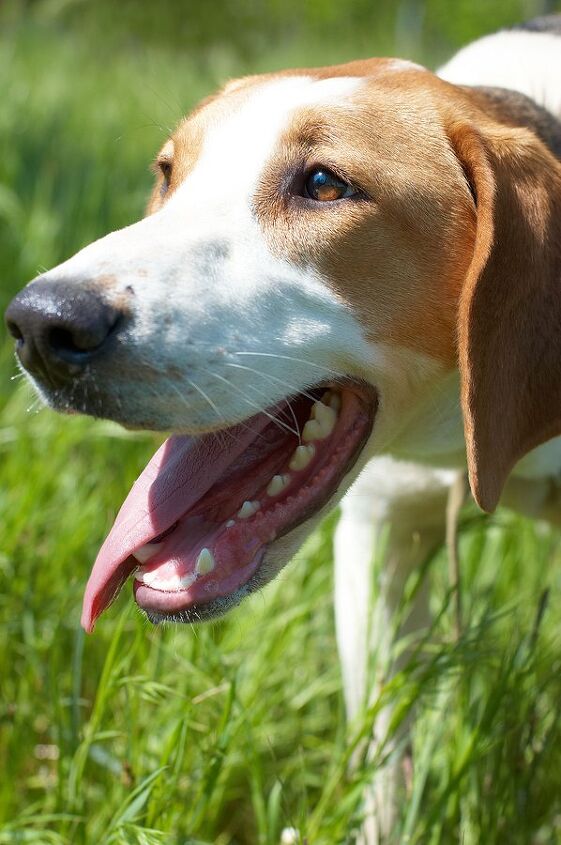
{"x": 241, "y": 126}
{"x": 243, "y": 123}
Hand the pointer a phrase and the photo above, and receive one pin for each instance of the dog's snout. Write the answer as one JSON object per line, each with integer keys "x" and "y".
{"x": 59, "y": 327}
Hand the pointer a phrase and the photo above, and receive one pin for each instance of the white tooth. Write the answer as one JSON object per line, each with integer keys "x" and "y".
{"x": 321, "y": 423}
{"x": 170, "y": 585}
{"x": 314, "y": 411}
{"x": 152, "y": 579}
{"x": 144, "y": 553}
{"x": 302, "y": 456}
{"x": 277, "y": 484}
{"x": 312, "y": 431}
{"x": 187, "y": 580}
{"x": 205, "y": 562}
{"x": 230, "y": 523}
{"x": 326, "y": 416}
{"x": 143, "y": 576}
{"x": 248, "y": 509}
{"x": 335, "y": 402}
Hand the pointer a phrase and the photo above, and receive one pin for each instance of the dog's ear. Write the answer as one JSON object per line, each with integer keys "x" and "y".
{"x": 509, "y": 329}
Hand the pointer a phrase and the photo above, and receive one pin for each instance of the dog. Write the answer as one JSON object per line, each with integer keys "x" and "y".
{"x": 348, "y": 279}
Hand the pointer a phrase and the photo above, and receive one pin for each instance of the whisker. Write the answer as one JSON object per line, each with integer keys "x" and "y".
{"x": 35, "y": 407}
{"x": 223, "y": 434}
{"x": 254, "y": 404}
{"x": 283, "y": 412}
{"x": 296, "y": 360}
{"x": 275, "y": 418}
{"x": 218, "y": 434}
{"x": 184, "y": 400}
{"x": 273, "y": 378}
{"x": 293, "y": 415}
{"x": 212, "y": 404}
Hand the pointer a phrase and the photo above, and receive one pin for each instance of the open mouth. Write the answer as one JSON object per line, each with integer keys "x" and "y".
{"x": 195, "y": 527}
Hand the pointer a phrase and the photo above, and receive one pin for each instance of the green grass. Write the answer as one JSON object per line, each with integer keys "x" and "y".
{"x": 226, "y": 733}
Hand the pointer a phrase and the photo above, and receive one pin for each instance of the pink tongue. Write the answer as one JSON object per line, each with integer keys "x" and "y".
{"x": 180, "y": 473}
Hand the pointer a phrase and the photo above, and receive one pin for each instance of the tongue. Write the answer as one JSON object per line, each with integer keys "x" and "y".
{"x": 180, "y": 473}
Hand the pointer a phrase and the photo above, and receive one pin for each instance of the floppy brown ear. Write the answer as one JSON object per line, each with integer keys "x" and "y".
{"x": 509, "y": 331}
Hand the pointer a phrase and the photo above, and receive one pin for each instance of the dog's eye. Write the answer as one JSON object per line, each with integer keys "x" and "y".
{"x": 323, "y": 186}
{"x": 165, "y": 167}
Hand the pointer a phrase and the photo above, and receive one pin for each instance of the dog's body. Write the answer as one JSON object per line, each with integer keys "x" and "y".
{"x": 370, "y": 227}
{"x": 404, "y": 503}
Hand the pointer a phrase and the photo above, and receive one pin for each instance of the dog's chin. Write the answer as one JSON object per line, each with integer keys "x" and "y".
{"x": 276, "y": 557}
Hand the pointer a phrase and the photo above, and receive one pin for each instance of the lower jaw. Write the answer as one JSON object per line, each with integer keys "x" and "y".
{"x": 177, "y": 607}
{"x": 204, "y": 600}
{"x": 195, "y": 612}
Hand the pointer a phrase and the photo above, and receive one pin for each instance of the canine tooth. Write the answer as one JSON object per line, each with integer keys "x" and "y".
{"x": 230, "y": 523}
{"x": 144, "y": 553}
{"x": 205, "y": 562}
{"x": 277, "y": 484}
{"x": 248, "y": 509}
{"x": 302, "y": 456}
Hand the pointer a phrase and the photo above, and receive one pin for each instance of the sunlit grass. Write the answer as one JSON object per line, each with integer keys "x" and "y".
{"x": 225, "y": 733}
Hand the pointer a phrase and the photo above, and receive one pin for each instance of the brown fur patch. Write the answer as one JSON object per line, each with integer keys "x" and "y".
{"x": 398, "y": 253}
{"x": 510, "y": 308}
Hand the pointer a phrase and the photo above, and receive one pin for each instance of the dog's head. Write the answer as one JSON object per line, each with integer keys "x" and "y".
{"x": 322, "y": 251}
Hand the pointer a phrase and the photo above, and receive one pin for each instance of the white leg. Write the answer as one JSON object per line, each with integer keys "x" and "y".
{"x": 403, "y": 506}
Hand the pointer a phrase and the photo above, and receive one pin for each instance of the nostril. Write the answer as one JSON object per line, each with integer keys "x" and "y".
{"x": 61, "y": 341}
{"x": 75, "y": 343}
{"x": 14, "y": 330}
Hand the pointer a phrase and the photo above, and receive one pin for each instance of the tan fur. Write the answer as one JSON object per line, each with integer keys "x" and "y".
{"x": 421, "y": 265}
{"x": 398, "y": 256}
{"x": 510, "y": 308}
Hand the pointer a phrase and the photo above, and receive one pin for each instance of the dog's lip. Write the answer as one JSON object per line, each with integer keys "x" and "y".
{"x": 182, "y": 472}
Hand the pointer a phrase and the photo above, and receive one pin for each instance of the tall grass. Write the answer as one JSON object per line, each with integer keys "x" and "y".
{"x": 225, "y": 733}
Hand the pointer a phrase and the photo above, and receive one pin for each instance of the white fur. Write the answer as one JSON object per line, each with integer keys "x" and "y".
{"x": 528, "y": 62}
{"x": 390, "y": 521}
{"x": 211, "y": 300}
{"x": 404, "y": 64}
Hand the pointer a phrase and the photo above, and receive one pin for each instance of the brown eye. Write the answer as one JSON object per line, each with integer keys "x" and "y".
{"x": 165, "y": 167}
{"x": 323, "y": 186}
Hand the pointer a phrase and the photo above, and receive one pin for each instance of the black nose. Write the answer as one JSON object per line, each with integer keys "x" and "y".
{"x": 60, "y": 327}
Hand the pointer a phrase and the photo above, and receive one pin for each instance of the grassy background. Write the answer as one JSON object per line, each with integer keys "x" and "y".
{"x": 226, "y": 733}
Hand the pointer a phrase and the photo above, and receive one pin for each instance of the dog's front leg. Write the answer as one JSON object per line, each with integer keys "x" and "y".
{"x": 394, "y": 514}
